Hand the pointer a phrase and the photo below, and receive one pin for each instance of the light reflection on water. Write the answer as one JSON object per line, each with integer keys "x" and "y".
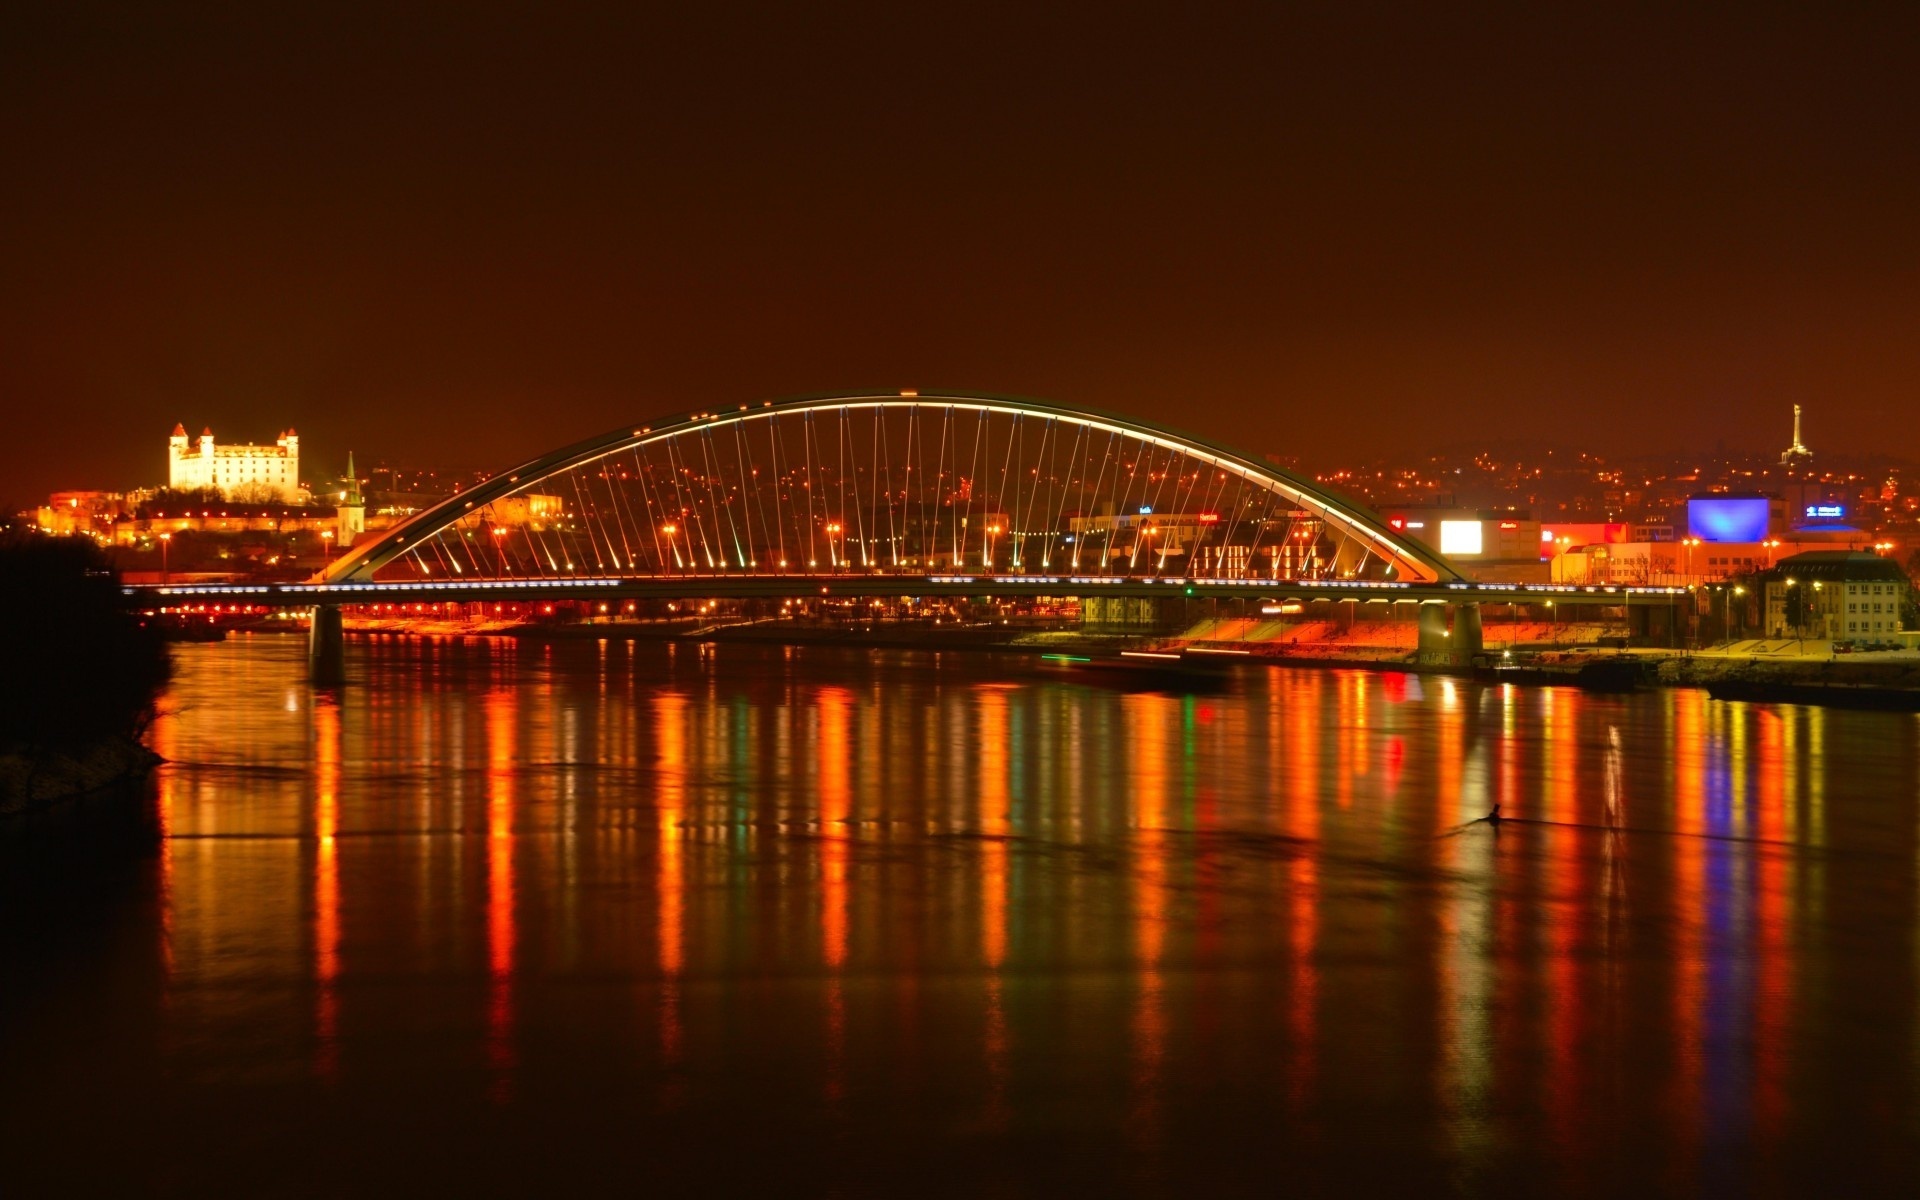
{"x": 899, "y": 916}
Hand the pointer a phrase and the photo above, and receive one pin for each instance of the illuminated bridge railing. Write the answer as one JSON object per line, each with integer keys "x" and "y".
{"x": 903, "y": 485}
{"x": 1385, "y": 591}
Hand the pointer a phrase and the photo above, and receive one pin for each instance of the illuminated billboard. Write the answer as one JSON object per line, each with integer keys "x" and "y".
{"x": 1460, "y": 537}
{"x": 1826, "y": 512}
{"x": 1728, "y": 518}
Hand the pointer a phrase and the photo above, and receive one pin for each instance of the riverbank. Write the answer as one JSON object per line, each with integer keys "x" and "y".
{"x": 41, "y": 786}
{"x": 81, "y": 672}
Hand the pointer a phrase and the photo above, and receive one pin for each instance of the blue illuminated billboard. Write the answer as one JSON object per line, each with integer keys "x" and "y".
{"x": 1728, "y": 518}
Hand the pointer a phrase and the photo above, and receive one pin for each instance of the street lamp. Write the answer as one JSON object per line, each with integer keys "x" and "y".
{"x": 1690, "y": 543}
{"x": 164, "y": 539}
{"x": 326, "y": 546}
{"x": 500, "y": 546}
{"x": 670, "y": 529}
{"x": 1726, "y": 610}
{"x": 833, "y": 547}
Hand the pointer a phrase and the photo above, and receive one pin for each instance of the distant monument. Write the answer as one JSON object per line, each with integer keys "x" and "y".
{"x": 243, "y": 473}
{"x": 351, "y": 514}
{"x": 1797, "y": 453}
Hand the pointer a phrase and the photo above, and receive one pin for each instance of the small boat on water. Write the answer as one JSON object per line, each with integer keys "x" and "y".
{"x": 1614, "y": 675}
{"x": 1154, "y": 670}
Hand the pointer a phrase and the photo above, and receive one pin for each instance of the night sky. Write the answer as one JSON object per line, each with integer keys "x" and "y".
{"x": 470, "y": 233}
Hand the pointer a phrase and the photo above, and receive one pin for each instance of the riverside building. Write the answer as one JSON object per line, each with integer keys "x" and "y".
{"x": 1840, "y": 595}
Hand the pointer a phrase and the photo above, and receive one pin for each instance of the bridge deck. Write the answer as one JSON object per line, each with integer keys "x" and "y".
{"x": 742, "y": 586}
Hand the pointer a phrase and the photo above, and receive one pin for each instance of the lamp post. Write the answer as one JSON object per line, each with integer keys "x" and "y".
{"x": 833, "y": 544}
{"x": 1690, "y": 543}
{"x": 1726, "y": 611}
{"x": 500, "y": 546}
{"x": 670, "y": 529}
{"x": 326, "y": 547}
{"x": 165, "y": 538}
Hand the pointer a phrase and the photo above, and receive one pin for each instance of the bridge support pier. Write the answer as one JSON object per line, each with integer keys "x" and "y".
{"x": 327, "y": 646}
{"x": 1441, "y": 646}
{"x": 1468, "y": 640}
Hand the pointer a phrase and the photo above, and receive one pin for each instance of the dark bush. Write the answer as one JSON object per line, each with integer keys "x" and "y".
{"x": 76, "y": 661}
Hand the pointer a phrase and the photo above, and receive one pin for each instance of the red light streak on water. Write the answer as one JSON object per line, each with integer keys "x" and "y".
{"x": 1353, "y": 755}
{"x": 1147, "y": 720}
{"x": 833, "y": 707}
{"x": 995, "y": 824}
{"x": 326, "y": 885}
{"x": 1568, "y": 900}
{"x": 1773, "y": 950}
{"x": 1302, "y": 823}
{"x": 1689, "y": 750}
{"x": 161, "y": 739}
{"x": 670, "y": 716}
{"x": 500, "y": 890}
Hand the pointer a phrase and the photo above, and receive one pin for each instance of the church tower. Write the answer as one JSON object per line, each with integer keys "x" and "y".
{"x": 350, "y": 518}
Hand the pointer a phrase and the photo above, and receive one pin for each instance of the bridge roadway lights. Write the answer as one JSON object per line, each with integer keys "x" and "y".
{"x": 1440, "y": 646}
{"x": 327, "y": 646}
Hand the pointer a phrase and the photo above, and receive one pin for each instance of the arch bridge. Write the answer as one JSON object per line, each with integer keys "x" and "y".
{"x": 896, "y": 486}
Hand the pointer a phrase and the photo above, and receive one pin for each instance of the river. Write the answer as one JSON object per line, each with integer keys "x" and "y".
{"x": 507, "y": 917}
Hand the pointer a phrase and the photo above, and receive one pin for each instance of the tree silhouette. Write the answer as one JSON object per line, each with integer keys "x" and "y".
{"x": 76, "y": 662}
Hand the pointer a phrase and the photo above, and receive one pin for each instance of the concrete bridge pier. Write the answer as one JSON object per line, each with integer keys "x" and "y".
{"x": 1468, "y": 640}
{"x": 1450, "y": 634}
{"x": 327, "y": 646}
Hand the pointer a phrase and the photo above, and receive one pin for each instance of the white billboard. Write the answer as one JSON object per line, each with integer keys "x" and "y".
{"x": 1460, "y": 537}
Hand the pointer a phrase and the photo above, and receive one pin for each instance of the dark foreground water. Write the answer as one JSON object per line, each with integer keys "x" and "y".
{"x": 673, "y": 919}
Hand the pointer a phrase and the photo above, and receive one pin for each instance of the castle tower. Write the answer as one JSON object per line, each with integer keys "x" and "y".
{"x": 350, "y": 517}
{"x": 176, "y": 450}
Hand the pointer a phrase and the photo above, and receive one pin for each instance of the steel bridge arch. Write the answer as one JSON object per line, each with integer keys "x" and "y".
{"x": 1394, "y": 556}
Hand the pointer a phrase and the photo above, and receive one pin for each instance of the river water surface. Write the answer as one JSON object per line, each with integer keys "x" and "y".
{"x": 515, "y": 917}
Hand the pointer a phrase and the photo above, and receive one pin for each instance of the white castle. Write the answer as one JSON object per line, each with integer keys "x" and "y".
{"x": 239, "y": 472}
